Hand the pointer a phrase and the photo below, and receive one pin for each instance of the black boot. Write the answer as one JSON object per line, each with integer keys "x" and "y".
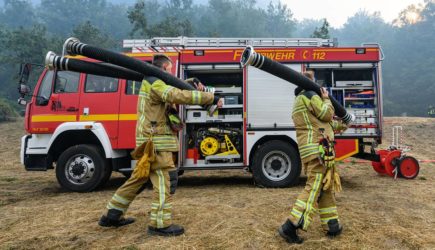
{"x": 289, "y": 232}
{"x": 172, "y": 230}
{"x": 334, "y": 228}
{"x": 113, "y": 219}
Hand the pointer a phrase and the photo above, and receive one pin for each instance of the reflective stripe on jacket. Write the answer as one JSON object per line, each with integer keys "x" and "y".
{"x": 310, "y": 114}
{"x": 154, "y": 96}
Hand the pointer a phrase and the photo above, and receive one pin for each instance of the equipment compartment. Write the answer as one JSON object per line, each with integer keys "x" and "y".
{"x": 215, "y": 140}
{"x": 355, "y": 89}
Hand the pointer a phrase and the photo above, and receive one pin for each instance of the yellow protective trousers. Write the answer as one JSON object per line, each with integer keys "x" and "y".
{"x": 313, "y": 199}
{"x": 161, "y": 207}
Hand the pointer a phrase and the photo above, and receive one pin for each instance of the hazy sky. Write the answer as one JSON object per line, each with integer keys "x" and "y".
{"x": 337, "y": 11}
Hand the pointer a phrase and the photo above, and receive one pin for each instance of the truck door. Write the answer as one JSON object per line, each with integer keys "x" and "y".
{"x": 54, "y": 103}
{"x": 270, "y": 99}
{"x": 99, "y": 102}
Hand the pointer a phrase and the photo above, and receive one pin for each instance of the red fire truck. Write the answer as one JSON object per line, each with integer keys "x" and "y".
{"x": 84, "y": 125}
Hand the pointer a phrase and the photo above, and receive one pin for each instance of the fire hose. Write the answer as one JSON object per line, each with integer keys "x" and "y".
{"x": 52, "y": 61}
{"x": 74, "y": 47}
{"x": 250, "y": 57}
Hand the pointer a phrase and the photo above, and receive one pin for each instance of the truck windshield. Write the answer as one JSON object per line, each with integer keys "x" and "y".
{"x": 44, "y": 91}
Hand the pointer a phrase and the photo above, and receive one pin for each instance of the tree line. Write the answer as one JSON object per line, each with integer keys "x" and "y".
{"x": 28, "y": 31}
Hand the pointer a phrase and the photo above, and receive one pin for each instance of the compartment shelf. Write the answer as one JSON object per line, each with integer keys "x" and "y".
{"x": 358, "y": 99}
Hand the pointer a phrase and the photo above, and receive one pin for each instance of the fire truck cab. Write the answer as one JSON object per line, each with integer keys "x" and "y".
{"x": 83, "y": 125}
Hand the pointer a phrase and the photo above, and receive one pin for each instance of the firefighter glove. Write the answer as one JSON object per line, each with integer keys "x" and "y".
{"x": 327, "y": 180}
{"x": 337, "y": 182}
{"x": 143, "y": 165}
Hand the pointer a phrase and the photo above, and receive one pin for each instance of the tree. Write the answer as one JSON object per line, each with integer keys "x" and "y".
{"x": 92, "y": 35}
{"x": 137, "y": 18}
{"x": 409, "y": 16}
{"x": 279, "y": 20}
{"x": 16, "y": 13}
{"x": 322, "y": 32}
{"x": 60, "y": 16}
{"x": 305, "y": 27}
{"x": 19, "y": 46}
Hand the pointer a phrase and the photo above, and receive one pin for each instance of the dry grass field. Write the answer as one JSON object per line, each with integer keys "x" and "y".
{"x": 221, "y": 210}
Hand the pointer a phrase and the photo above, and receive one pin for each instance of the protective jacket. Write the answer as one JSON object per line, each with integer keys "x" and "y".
{"x": 313, "y": 119}
{"x": 313, "y": 116}
{"x": 154, "y": 98}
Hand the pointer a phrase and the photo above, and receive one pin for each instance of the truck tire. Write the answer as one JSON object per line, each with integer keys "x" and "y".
{"x": 81, "y": 168}
{"x": 107, "y": 172}
{"x": 276, "y": 164}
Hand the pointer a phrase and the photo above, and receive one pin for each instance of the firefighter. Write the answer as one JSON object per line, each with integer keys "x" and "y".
{"x": 313, "y": 118}
{"x": 155, "y": 144}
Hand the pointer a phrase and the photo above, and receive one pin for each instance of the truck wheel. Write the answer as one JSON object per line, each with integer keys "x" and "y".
{"x": 107, "y": 171}
{"x": 276, "y": 164}
{"x": 81, "y": 168}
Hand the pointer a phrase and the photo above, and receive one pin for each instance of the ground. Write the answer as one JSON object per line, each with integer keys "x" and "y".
{"x": 222, "y": 210}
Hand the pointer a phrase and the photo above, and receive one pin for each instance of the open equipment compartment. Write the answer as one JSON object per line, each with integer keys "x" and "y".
{"x": 215, "y": 140}
{"x": 356, "y": 88}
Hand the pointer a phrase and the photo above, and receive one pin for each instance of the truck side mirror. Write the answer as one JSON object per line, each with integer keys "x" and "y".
{"x": 22, "y": 101}
{"x": 23, "y": 89}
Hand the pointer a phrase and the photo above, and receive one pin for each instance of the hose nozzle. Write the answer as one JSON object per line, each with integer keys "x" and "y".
{"x": 50, "y": 59}
{"x": 68, "y": 46}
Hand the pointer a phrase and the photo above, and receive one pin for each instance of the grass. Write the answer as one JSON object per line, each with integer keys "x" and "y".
{"x": 220, "y": 209}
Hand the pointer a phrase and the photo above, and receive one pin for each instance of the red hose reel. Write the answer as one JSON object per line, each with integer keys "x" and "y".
{"x": 394, "y": 162}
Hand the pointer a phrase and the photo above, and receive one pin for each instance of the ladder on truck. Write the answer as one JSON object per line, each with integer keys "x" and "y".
{"x": 176, "y": 43}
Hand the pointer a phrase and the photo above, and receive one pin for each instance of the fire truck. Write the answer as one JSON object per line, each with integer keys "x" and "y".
{"x": 83, "y": 125}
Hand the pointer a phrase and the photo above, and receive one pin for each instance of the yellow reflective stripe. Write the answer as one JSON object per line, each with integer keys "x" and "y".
{"x": 328, "y": 210}
{"x": 164, "y": 139}
{"x": 310, "y": 202}
{"x": 162, "y": 196}
{"x": 325, "y": 220}
{"x": 53, "y": 118}
{"x": 127, "y": 117}
{"x": 310, "y": 148}
{"x": 120, "y": 199}
{"x": 143, "y": 94}
{"x": 301, "y": 203}
{"x": 309, "y": 145}
{"x": 141, "y": 107}
{"x": 195, "y": 97}
{"x": 158, "y": 139}
{"x": 111, "y": 206}
{"x": 166, "y": 216}
{"x": 309, "y": 127}
{"x": 166, "y": 92}
{"x": 105, "y": 117}
{"x": 297, "y": 109}
{"x": 165, "y": 145}
{"x": 305, "y": 154}
{"x": 166, "y": 206}
{"x": 324, "y": 109}
{"x": 296, "y": 213}
{"x": 310, "y": 152}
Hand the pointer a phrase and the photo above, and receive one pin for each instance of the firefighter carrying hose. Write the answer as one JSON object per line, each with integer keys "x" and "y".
{"x": 313, "y": 118}
{"x": 155, "y": 144}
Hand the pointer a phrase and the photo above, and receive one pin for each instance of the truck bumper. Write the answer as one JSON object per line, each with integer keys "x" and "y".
{"x": 33, "y": 162}
{"x": 24, "y": 140}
